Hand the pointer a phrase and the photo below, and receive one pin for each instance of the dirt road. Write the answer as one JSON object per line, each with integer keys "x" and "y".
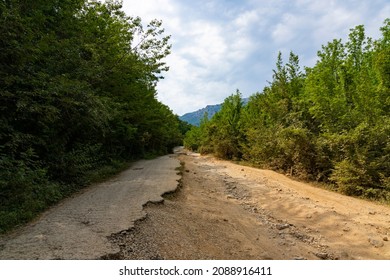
{"x": 79, "y": 227}
{"x": 220, "y": 211}
{"x": 227, "y": 211}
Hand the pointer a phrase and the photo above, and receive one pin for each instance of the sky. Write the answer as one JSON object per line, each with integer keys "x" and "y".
{"x": 219, "y": 46}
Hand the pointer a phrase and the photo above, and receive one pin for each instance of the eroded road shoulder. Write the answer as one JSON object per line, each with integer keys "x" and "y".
{"x": 80, "y": 227}
{"x": 229, "y": 211}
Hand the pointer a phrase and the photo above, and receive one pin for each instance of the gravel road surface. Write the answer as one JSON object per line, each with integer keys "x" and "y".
{"x": 80, "y": 226}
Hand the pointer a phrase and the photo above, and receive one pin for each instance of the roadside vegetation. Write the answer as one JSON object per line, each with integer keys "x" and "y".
{"x": 77, "y": 99}
{"x": 328, "y": 123}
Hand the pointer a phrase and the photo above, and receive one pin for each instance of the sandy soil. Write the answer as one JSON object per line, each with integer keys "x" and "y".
{"x": 227, "y": 211}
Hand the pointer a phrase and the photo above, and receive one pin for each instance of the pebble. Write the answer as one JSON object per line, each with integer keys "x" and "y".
{"x": 322, "y": 255}
{"x": 376, "y": 243}
{"x": 282, "y": 226}
{"x": 385, "y": 238}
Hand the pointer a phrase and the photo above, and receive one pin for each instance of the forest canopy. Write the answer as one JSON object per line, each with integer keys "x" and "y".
{"x": 77, "y": 95}
{"x": 328, "y": 123}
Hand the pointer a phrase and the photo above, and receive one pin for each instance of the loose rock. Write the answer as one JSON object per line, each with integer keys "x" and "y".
{"x": 322, "y": 255}
{"x": 376, "y": 243}
{"x": 282, "y": 226}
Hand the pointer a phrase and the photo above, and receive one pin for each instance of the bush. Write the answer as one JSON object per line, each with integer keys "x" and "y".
{"x": 366, "y": 169}
{"x": 24, "y": 192}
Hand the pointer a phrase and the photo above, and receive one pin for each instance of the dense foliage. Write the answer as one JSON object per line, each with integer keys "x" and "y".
{"x": 77, "y": 94}
{"x": 328, "y": 123}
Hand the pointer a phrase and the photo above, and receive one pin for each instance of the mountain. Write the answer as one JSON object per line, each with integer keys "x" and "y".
{"x": 195, "y": 117}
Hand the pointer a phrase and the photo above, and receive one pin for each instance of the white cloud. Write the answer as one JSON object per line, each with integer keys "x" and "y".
{"x": 208, "y": 45}
{"x": 286, "y": 29}
{"x": 247, "y": 19}
{"x": 221, "y": 45}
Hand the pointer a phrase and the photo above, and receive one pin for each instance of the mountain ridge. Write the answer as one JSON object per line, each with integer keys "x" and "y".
{"x": 195, "y": 117}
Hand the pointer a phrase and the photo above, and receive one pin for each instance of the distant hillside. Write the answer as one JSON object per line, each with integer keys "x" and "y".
{"x": 195, "y": 117}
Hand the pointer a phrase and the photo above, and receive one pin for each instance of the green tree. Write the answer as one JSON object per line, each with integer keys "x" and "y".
{"x": 221, "y": 135}
{"x": 78, "y": 93}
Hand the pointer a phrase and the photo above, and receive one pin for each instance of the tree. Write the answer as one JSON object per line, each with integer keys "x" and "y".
{"x": 78, "y": 93}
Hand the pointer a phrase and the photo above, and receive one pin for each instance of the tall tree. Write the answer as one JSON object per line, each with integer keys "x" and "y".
{"x": 78, "y": 92}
